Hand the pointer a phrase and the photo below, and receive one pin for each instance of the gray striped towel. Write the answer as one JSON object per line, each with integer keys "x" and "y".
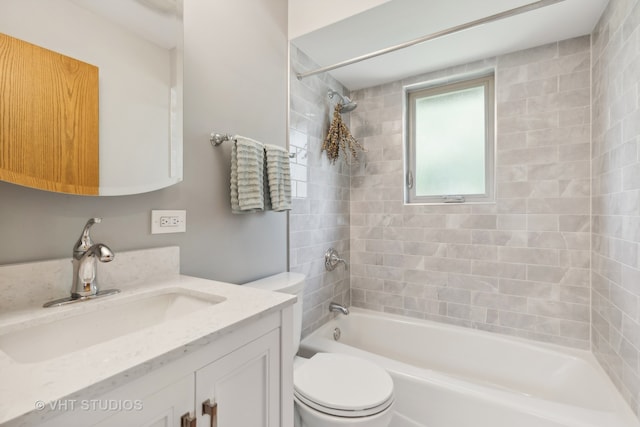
{"x": 247, "y": 171}
{"x": 278, "y": 177}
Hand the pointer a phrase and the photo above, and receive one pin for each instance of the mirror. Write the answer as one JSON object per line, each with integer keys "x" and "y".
{"x": 137, "y": 47}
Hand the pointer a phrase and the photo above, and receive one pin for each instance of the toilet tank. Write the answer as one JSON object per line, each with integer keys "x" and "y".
{"x": 288, "y": 283}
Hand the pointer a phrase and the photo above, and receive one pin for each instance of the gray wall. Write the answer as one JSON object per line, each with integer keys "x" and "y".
{"x": 320, "y": 215}
{"x": 519, "y": 266}
{"x": 235, "y": 82}
{"x": 616, "y": 197}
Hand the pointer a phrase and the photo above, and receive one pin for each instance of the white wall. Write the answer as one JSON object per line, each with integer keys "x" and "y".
{"x": 235, "y": 81}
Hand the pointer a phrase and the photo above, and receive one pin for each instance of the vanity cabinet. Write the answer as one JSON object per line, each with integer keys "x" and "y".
{"x": 163, "y": 408}
{"x": 244, "y": 386}
{"x": 238, "y": 377}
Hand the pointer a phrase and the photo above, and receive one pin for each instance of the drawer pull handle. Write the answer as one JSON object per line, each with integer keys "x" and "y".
{"x": 187, "y": 420}
{"x": 210, "y": 409}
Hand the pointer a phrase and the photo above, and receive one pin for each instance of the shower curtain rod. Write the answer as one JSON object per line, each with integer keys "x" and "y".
{"x": 496, "y": 17}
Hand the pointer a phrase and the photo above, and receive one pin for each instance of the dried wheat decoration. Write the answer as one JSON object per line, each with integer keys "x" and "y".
{"x": 339, "y": 138}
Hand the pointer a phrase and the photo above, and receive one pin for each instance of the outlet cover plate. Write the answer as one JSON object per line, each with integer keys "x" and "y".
{"x": 168, "y": 221}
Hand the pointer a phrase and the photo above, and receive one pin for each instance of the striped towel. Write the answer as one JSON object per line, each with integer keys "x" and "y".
{"x": 247, "y": 171}
{"x": 278, "y": 177}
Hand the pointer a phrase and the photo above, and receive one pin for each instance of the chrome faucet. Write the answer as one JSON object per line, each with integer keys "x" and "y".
{"x": 86, "y": 255}
{"x": 334, "y": 306}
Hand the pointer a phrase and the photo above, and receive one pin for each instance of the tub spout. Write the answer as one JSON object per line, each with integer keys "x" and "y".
{"x": 334, "y": 306}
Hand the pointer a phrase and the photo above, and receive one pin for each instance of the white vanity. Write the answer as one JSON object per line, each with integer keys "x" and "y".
{"x": 169, "y": 350}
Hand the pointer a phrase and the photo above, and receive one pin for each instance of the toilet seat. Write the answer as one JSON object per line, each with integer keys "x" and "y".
{"x": 343, "y": 413}
{"x": 343, "y": 385}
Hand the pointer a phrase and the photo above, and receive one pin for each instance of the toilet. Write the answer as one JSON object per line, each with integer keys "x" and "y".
{"x": 332, "y": 389}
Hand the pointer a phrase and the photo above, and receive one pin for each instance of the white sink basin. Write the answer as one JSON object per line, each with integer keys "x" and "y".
{"x": 105, "y": 322}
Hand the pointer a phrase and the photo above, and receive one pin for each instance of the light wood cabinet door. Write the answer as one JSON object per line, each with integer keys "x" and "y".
{"x": 48, "y": 119}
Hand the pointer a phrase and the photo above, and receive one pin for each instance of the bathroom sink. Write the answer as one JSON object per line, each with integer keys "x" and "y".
{"x": 101, "y": 323}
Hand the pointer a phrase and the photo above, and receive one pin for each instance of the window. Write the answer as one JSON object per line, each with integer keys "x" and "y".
{"x": 450, "y": 151}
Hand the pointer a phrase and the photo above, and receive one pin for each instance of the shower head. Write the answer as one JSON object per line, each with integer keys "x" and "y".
{"x": 347, "y": 104}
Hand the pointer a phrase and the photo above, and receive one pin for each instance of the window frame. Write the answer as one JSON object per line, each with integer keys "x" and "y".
{"x": 427, "y": 89}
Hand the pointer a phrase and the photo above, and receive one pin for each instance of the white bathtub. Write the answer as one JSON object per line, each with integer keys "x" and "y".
{"x": 447, "y": 376}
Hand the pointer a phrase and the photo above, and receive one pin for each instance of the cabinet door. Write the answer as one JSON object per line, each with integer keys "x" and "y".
{"x": 244, "y": 386}
{"x": 133, "y": 406}
{"x": 164, "y": 408}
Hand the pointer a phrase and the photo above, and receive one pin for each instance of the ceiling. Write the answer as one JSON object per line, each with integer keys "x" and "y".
{"x": 154, "y": 20}
{"x": 399, "y": 21}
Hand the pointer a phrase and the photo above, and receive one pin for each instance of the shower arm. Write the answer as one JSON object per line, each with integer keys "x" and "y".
{"x": 332, "y": 93}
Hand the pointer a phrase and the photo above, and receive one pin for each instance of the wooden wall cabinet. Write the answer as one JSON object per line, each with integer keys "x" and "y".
{"x": 48, "y": 119}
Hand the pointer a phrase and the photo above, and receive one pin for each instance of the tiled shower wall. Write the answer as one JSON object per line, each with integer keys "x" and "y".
{"x": 616, "y": 196}
{"x": 519, "y": 266}
{"x": 320, "y": 215}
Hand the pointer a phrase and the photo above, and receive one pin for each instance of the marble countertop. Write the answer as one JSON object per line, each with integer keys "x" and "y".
{"x": 103, "y": 366}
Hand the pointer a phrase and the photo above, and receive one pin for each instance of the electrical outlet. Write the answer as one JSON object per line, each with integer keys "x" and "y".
{"x": 168, "y": 222}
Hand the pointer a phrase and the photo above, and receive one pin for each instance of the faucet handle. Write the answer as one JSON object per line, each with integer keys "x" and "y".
{"x": 84, "y": 241}
{"x": 332, "y": 259}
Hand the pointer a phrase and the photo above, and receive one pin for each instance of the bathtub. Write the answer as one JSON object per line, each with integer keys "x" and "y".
{"x": 448, "y": 376}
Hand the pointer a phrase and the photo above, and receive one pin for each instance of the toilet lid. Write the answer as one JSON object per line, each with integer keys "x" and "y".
{"x": 344, "y": 383}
